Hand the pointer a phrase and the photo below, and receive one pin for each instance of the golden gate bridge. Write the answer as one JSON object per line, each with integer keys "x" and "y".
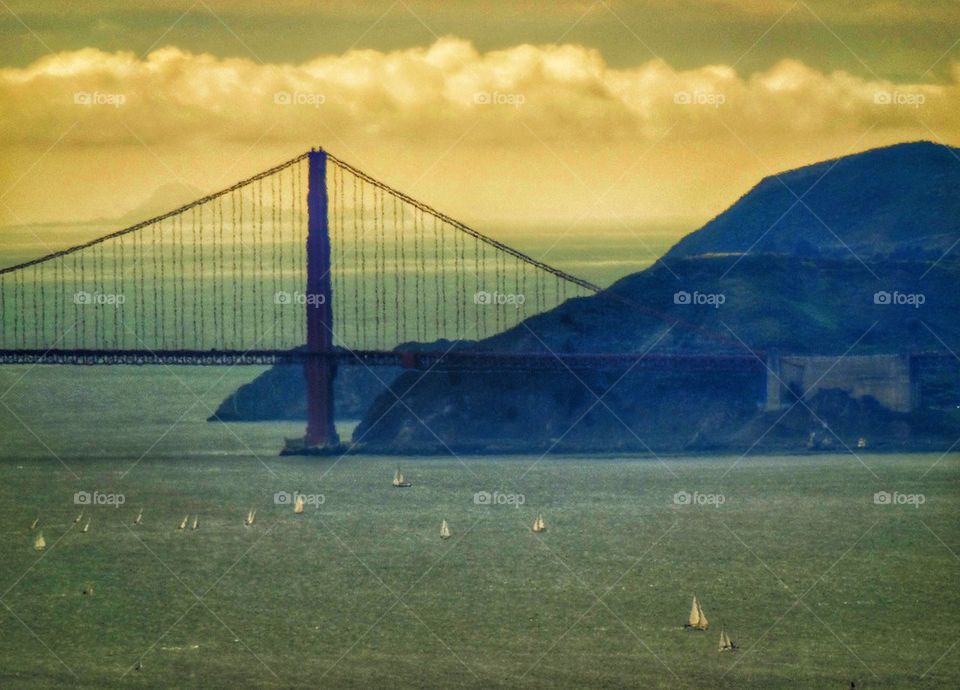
{"x": 312, "y": 261}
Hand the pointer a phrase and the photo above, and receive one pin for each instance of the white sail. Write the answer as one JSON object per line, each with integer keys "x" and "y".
{"x": 726, "y": 644}
{"x": 539, "y": 525}
{"x": 444, "y": 530}
{"x": 183, "y": 522}
{"x": 697, "y": 620}
{"x": 704, "y": 623}
{"x": 196, "y": 522}
{"x": 694, "y": 620}
{"x": 40, "y": 543}
{"x": 86, "y": 527}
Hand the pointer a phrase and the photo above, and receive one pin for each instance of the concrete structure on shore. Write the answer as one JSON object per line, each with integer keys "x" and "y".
{"x": 889, "y": 379}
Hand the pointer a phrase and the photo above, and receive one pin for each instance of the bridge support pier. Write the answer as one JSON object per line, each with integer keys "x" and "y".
{"x": 319, "y": 370}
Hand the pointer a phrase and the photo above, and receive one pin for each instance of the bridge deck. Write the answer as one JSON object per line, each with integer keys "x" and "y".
{"x": 440, "y": 361}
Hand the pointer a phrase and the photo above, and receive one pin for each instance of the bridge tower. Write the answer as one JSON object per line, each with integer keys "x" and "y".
{"x": 320, "y": 368}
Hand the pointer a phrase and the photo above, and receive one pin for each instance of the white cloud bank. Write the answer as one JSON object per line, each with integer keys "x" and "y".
{"x": 558, "y": 91}
{"x": 528, "y": 101}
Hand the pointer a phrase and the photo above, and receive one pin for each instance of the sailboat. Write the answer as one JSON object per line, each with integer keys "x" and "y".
{"x": 40, "y": 543}
{"x": 697, "y": 621}
{"x": 251, "y": 516}
{"x": 78, "y": 518}
{"x": 399, "y": 481}
{"x": 445, "y": 530}
{"x": 86, "y": 527}
{"x": 183, "y": 522}
{"x": 539, "y": 525}
{"x": 139, "y": 519}
{"x": 726, "y": 644}
{"x": 34, "y": 524}
{"x": 196, "y": 522}
{"x": 298, "y": 504}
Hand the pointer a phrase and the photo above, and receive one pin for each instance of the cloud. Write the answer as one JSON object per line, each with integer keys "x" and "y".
{"x": 556, "y": 91}
{"x": 547, "y": 128}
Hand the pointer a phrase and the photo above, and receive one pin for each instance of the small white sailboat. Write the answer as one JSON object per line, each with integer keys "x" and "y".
{"x": 298, "y": 505}
{"x": 539, "y": 525}
{"x": 86, "y": 527}
{"x": 697, "y": 620}
{"x": 251, "y": 516}
{"x": 399, "y": 481}
{"x": 196, "y": 522}
{"x": 726, "y": 644}
{"x": 77, "y": 519}
{"x": 39, "y": 544}
{"x": 183, "y": 522}
{"x": 34, "y": 524}
{"x": 445, "y": 530}
{"x": 139, "y": 519}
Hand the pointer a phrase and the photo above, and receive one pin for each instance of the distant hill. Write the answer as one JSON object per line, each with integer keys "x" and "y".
{"x": 164, "y": 198}
{"x": 278, "y": 393}
{"x": 901, "y": 201}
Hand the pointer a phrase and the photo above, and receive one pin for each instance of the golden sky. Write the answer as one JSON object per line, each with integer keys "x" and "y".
{"x": 507, "y": 115}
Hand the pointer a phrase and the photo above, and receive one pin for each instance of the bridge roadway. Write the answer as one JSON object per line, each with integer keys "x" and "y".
{"x": 456, "y": 360}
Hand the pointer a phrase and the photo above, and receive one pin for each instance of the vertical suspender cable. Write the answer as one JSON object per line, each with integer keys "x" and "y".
{"x": 397, "y": 269}
{"x": 437, "y": 274}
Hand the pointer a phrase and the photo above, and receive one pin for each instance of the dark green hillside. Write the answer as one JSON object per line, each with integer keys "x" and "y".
{"x": 793, "y": 305}
{"x": 899, "y": 201}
